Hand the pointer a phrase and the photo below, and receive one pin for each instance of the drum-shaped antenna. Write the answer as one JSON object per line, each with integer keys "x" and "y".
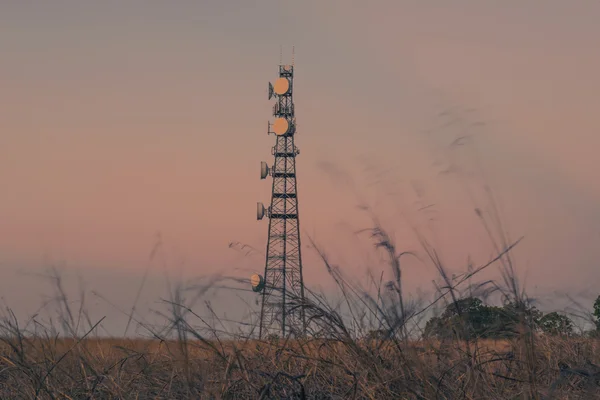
{"x": 281, "y": 126}
{"x": 270, "y": 90}
{"x": 264, "y": 170}
{"x": 257, "y": 282}
{"x": 281, "y": 86}
{"x": 260, "y": 211}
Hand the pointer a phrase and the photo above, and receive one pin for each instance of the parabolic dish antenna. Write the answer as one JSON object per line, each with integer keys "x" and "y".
{"x": 281, "y": 126}
{"x": 264, "y": 170}
{"x": 282, "y": 86}
{"x": 270, "y": 90}
{"x": 257, "y": 282}
{"x": 260, "y": 211}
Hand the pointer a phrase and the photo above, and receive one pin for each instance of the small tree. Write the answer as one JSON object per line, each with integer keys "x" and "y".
{"x": 556, "y": 324}
{"x": 532, "y": 314}
{"x": 470, "y": 318}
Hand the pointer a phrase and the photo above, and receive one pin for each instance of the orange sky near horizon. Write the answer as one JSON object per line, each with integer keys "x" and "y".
{"x": 121, "y": 120}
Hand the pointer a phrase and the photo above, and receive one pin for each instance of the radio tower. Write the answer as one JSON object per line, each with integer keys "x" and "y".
{"x": 282, "y": 287}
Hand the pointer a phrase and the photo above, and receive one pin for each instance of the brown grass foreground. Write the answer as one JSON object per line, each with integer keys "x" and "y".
{"x": 323, "y": 369}
{"x": 338, "y": 365}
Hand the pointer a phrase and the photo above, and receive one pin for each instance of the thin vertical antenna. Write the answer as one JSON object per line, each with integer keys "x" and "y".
{"x": 293, "y": 54}
{"x": 280, "y": 54}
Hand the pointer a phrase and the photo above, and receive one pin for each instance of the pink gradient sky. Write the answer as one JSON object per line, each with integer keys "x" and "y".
{"x": 122, "y": 119}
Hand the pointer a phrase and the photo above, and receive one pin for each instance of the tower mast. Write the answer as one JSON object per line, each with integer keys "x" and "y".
{"x": 282, "y": 289}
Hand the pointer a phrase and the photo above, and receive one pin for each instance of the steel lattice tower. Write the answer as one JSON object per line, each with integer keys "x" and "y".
{"x": 282, "y": 289}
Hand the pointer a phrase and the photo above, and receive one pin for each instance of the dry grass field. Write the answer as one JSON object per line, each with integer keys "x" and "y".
{"x": 319, "y": 369}
{"x": 333, "y": 361}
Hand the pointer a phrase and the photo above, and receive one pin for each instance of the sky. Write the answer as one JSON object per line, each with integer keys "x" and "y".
{"x": 125, "y": 122}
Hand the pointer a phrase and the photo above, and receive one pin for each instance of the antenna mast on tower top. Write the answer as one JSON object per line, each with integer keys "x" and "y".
{"x": 282, "y": 286}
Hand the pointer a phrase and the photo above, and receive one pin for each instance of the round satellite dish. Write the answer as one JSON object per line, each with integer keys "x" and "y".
{"x": 270, "y": 90}
{"x": 260, "y": 211}
{"x": 281, "y": 126}
{"x": 264, "y": 170}
{"x": 257, "y": 282}
{"x": 282, "y": 86}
